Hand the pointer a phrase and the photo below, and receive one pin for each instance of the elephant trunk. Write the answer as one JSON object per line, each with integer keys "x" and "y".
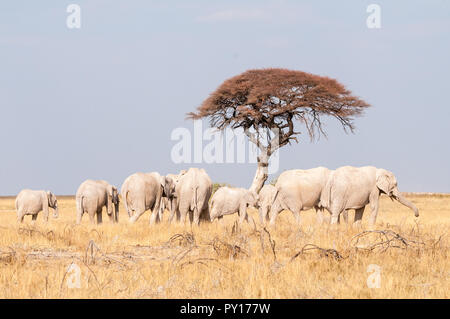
{"x": 407, "y": 203}
{"x": 116, "y": 212}
{"x": 109, "y": 205}
{"x": 55, "y": 212}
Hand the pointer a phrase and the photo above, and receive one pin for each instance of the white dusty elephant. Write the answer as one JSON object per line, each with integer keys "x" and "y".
{"x": 169, "y": 198}
{"x": 92, "y": 196}
{"x": 266, "y": 197}
{"x": 354, "y": 187}
{"x": 30, "y": 202}
{"x": 299, "y": 190}
{"x": 142, "y": 192}
{"x": 192, "y": 193}
{"x": 229, "y": 200}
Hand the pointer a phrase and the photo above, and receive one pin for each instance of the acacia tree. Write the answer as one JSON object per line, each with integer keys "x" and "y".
{"x": 270, "y": 105}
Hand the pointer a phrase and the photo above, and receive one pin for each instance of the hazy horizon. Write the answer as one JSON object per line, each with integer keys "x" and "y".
{"x": 100, "y": 102}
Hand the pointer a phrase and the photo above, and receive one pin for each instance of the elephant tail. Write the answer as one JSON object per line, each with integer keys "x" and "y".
{"x": 194, "y": 204}
{"x": 125, "y": 201}
{"x": 211, "y": 204}
{"x": 325, "y": 196}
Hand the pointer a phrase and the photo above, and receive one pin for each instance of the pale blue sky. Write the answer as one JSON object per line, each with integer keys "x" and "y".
{"x": 102, "y": 101}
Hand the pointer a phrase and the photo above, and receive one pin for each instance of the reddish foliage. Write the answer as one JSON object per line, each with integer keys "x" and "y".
{"x": 268, "y": 99}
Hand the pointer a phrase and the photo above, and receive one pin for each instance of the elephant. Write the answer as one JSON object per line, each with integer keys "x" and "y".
{"x": 354, "y": 187}
{"x": 169, "y": 199}
{"x": 92, "y": 196}
{"x": 266, "y": 198}
{"x": 229, "y": 200}
{"x": 192, "y": 193}
{"x": 31, "y": 202}
{"x": 299, "y": 190}
{"x": 142, "y": 192}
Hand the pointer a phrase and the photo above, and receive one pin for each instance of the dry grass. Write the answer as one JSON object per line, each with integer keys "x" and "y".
{"x": 227, "y": 261}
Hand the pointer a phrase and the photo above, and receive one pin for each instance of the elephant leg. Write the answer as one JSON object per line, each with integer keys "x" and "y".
{"x": 183, "y": 214}
{"x": 263, "y": 214}
{"x": 175, "y": 215}
{"x": 273, "y": 217}
{"x": 171, "y": 216}
{"x": 112, "y": 217}
{"x": 358, "y": 216}
{"x": 196, "y": 216}
{"x": 138, "y": 211}
{"x": 323, "y": 216}
{"x": 335, "y": 210}
{"x": 319, "y": 215}
{"x": 161, "y": 214}
{"x": 79, "y": 214}
{"x": 154, "y": 218}
{"x": 274, "y": 211}
{"x": 33, "y": 218}
{"x": 155, "y": 212}
{"x": 92, "y": 217}
{"x": 99, "y": 216}
{"x": 116, "y": 216}
{"x": 334, "y": 216}
{"x": 247, "y": 219}
{"x": 344, "y": 217}
{"x": 20, "y": 216}
{"x": 242, "y": 213}
{"x": 295, "y": 208}
{"x": 297, "y": 217}
{"x": 373, "y": 200}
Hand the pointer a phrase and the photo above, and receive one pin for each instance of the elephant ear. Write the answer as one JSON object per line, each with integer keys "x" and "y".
{"x": 383, "y": 182}
{"x": 49, "y": 198}
{"x": 115, "y": 195}
{"x": 110, "y": 190}
{"x": 182, "y": 172}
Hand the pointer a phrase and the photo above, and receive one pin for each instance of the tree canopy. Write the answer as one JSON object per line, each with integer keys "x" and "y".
{"x": 276, "y": 101}
{"x": 275, "y": 98}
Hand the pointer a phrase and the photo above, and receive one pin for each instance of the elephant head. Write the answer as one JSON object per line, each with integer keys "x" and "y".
{"x": 169, "y": 185}
{"x": 113, "y": 199}
{"x": 53, "y": 203}
{"x": 387, "y": 183}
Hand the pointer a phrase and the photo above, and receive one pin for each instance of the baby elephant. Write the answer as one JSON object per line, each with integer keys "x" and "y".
{"x": 30, "y": 202}
{"x": 228, "y": 200}
{"x": 92, "y": 196}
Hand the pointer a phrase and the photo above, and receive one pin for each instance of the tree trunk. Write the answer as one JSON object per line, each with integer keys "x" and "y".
{"x": 261, "y": 174}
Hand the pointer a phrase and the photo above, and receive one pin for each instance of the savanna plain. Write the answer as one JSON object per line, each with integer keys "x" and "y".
{"x": 60, "y": 259}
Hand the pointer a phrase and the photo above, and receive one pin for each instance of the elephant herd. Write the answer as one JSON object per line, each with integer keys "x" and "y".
{"x": 189, "y": 195}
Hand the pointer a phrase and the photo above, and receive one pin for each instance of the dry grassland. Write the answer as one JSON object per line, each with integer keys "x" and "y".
{"x": 227, "y": 261}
